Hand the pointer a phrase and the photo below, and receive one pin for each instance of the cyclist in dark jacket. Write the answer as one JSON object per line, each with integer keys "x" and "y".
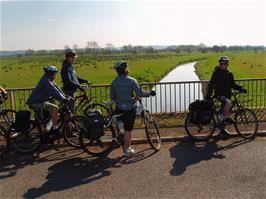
{"x": 42, "y": 93}
{"x": 122, "y": 93}
{"x": 222, "y": 82}
{"x": 71, "y": 81}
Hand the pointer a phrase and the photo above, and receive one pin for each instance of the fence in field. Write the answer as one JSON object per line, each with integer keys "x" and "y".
{"x": 171, "y": 103}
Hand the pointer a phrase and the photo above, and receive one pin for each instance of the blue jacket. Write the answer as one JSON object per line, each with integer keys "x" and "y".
{"x": 45, "y": 89}
{"x": 122, "y": 92}
{"x": 71, "y": 81}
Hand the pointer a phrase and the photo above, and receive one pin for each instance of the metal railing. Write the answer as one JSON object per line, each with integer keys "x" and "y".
{"x": 172, "y": 97}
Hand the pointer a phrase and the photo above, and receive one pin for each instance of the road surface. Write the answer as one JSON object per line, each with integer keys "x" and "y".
{"x": 225, "y": 169}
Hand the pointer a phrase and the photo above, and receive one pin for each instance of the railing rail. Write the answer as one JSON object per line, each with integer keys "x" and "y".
{"x": 171, "y": 98}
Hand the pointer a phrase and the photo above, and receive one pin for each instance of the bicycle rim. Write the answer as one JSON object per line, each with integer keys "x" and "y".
{"x": 153, "y": 133}
{"x": 25, "y": 142}
{"x": 100, "y": 146}
{"x": 246, "y": 123}
{"x": 199, "y": 132}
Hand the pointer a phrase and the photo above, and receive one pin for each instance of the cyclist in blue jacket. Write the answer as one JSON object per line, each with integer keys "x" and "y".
{"x": 71, "y": 80}
{"x": 44, "y": 91}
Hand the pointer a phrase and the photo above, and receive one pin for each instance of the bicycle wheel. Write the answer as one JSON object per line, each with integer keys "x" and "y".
{"x": 28, "y": 141}
{"x": 246, "y": 123}
{"x": 3, "y": 141}
{"x": 199, "y": 132}
{"x": 71, "y": 130}
{"x": 98, "y": 147}
{"x": 152, "y": 132}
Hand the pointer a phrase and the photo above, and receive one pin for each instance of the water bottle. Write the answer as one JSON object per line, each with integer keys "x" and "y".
{"x": 120, "y": 125}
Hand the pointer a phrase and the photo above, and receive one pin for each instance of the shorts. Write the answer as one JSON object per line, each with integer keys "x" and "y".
{"x": 222, "y": 99}
{"x": 45, "y": 106}
{"x": 128, "y": 118}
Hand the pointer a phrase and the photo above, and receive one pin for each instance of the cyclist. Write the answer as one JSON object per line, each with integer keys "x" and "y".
{"x": 222, "y": 82}
{"x": 43, "y": 92}
{"x": 122, "y": 91}
{"x": 71, "y": 81}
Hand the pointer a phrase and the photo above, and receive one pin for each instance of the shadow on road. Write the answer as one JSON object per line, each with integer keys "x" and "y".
{"x": 73, "y": 172}
{"x": 188, "y": 153}
{"x": 11, "y": 162}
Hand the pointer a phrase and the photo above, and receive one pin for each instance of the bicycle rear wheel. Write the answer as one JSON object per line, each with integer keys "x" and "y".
{"x": 199, "y": 132}
{"x": 98, "y": 147}
{"x": 71, "y": 130}
{"x": 246, "y": 123}
{"x": 152, "y": 132}
{"x": 28, "y": 141}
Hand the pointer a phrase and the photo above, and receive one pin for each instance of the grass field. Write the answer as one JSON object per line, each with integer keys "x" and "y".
{"x": 243, "y": 65}
{"x": 18, "y": 72}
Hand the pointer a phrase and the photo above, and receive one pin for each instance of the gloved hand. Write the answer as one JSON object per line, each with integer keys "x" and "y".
{"x": 243, "y": 90}
{"x": 153, "y": 93}
{"x": 89, "y": 83}
{"x": 82, "y": 89}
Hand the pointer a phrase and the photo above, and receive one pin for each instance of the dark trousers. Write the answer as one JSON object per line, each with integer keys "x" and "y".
{"x": 71, "y": 103}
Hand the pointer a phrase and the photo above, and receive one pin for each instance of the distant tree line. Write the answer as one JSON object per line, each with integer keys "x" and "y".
{"x": 92, "y": 48}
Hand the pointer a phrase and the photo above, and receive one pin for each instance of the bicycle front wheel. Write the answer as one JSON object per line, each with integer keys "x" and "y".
{"x": 27, "y": 141}
{"x": 199, "y": 132}
{"x": 71, "y": 130}
{"x": 246, "y": 123}
{"x": 152, "y": 132}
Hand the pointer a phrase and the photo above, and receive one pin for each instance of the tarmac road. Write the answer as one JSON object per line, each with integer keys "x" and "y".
{"x": 225, "y": 169}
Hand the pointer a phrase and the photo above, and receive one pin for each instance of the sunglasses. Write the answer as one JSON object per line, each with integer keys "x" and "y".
{"x": 224, "y": 63}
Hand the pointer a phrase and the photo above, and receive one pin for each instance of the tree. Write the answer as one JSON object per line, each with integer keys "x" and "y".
{"x": 66, "y": 46}
{"x": 75, "y": 46}
{"x": 109, "y": 46}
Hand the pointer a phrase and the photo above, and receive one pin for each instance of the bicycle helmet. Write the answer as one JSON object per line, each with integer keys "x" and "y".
{"x": 224, "y": 58}
{"x": 70, "y": 53}
{"x": 121, "y": 66}
{"x": 50, "y": 69}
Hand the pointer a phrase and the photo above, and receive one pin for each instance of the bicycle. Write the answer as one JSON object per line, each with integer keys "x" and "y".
{"x": 30, "y": 140}
{"x": 7, "y": 116}
{"x": 245, "y": 122}
{"x": 113, "y": 136}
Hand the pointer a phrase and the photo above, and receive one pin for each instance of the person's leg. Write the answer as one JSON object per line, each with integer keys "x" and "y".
{"x": 71, "y": 103}
{"x": 129, "y": 120}
{"x": 53, "y": 109}
{"x": 127, "y": 139}
{"x": 227, "y": 108}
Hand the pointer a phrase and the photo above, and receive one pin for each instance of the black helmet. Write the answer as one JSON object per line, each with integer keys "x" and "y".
{"x": 70, "y": 53}
{"x": 121, "y": 66}
{"x": 224, "y": 58}
{"x": 50, "y": 69}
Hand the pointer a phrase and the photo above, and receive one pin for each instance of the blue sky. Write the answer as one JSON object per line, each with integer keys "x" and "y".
{"x": 54, "y": 24}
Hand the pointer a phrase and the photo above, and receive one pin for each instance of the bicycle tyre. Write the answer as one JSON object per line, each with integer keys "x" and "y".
{"x": 198, "y": 128}
{"x": 148, "y": 120}
{"x": 239, "y": 117}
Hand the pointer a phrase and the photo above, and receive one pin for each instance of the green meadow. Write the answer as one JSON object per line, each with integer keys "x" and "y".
{"x": 25, "y": 71}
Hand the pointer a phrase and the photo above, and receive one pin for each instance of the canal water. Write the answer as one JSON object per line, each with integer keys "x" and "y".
{"x": 178, "y": 93}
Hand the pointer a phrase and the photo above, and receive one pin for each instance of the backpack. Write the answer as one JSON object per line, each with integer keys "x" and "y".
{"x": 22, "y": 121}
{"x": 201, "y": 112}
{"x": 94, "y": 124}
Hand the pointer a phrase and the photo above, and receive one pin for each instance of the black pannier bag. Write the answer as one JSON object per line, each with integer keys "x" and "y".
{"x": 94, "y": 124}
{"x": 201, "y": 112}
{"x": 22, "y": 121}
